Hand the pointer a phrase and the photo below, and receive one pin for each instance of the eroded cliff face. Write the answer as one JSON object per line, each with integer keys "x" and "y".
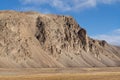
{"x": 29, "y": 39}
{"x": 60, "y": 33}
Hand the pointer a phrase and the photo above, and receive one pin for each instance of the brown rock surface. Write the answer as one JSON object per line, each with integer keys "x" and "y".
{"x": 34, "y": 40}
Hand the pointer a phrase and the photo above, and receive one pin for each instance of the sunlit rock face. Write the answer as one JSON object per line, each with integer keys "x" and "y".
{"x": 35, "y": 40}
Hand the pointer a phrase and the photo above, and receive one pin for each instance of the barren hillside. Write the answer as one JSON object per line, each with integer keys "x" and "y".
{"x": 35, "y": 40}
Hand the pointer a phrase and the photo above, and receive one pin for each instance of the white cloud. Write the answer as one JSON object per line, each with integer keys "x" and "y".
{"x": 68, "y": 5}
{"x": 112, "y": 38}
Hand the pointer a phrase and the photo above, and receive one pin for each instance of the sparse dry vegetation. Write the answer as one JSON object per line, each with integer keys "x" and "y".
{"x": 77, "y": 76}
{"x": 61, "y": 74}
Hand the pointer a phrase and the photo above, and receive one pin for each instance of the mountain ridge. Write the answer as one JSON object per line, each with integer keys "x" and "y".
{"x": 36, "y": 40}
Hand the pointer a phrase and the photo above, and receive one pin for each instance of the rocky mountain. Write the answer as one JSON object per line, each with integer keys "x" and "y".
{"x": 35, "y": 40}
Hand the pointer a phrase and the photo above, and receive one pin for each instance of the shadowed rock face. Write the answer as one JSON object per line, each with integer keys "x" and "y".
{"x": 30, "y": 40}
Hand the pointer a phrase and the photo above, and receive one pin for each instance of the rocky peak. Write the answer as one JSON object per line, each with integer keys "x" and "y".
{"x": 67, "y": 34}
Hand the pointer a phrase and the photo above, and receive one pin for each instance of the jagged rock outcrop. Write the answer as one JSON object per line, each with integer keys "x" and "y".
{"x": 29, "y": 39}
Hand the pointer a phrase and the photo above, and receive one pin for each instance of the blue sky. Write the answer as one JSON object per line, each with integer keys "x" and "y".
{"x": 101, "y": 18}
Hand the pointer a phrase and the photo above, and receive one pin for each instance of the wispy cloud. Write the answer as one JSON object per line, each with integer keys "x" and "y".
{"x": 112, "y": 37}
{"x": 27, "y": 8}
{"x": 68, "y": 5}
{"x": 117, "y": 31}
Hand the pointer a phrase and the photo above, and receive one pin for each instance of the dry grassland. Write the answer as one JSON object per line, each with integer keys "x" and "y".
{"x": 62, "y": 74}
